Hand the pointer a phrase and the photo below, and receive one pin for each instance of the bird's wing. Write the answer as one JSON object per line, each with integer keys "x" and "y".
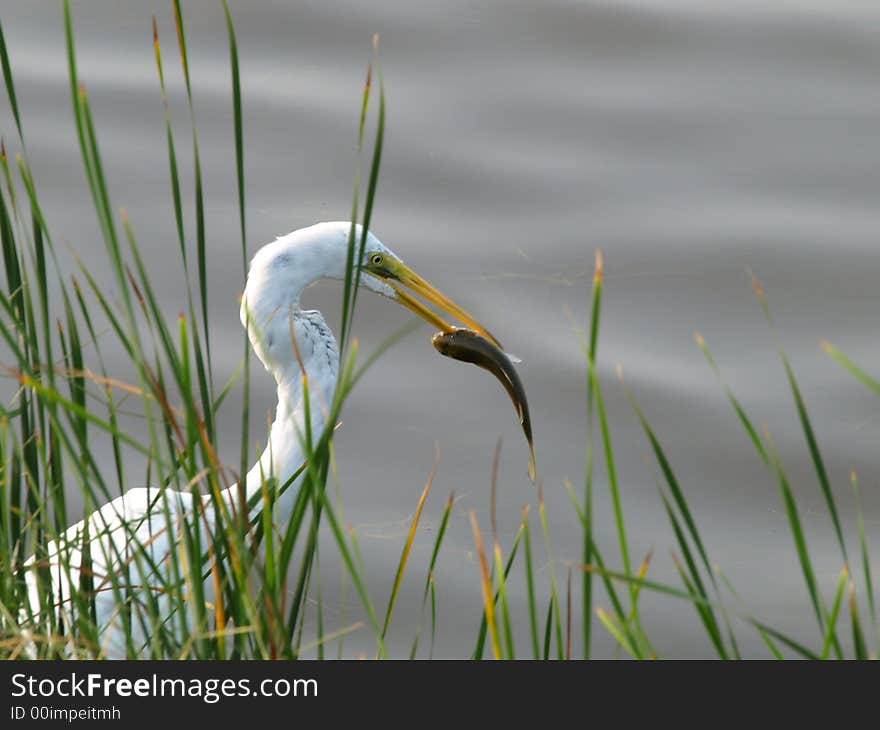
{"x": 122, "y": 545}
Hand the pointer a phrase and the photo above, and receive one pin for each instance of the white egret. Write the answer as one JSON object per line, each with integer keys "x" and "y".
{"x": 270, "y": 308}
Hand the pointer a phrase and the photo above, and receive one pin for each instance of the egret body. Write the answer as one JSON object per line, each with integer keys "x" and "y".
{"x": 133, "y": 532}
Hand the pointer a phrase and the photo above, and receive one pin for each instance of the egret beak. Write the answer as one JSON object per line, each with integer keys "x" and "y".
{"x": 398, "y": 275}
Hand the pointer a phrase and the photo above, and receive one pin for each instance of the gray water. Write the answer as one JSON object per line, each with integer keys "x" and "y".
{"x": 688, "y": 140}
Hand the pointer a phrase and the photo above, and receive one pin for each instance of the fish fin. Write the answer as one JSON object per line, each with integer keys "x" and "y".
{"x": 532, "y": 470}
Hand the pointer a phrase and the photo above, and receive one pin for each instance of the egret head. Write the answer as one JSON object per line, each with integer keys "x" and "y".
{"x": 282, "y": 269}
{"x": 382, "y": 265}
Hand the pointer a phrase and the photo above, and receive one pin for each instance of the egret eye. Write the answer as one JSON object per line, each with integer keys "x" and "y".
{"x": 376, "y": 259}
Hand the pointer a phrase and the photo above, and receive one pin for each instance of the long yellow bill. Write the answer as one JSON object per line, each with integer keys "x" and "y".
{"x": 398, "y": 275}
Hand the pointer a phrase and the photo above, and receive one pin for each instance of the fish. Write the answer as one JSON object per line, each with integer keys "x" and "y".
{"x": 469, "y": 346}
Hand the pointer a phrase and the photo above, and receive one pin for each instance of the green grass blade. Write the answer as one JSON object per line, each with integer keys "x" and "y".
{"x": 851, "y": 367}
{"x": 707, "y": 617}
{"x": 407, "y": 546}
{"x": 747, "y": 425}
{"x": 486, "y": 582}
{"x": 863, "y": 548}
{"x": 10, "y": 86}
{"x": 806, "y": 425}
{"x": 587, "y": 519}
{"x": 530, "y": 583}
{"x": 774, "y": 650}
{"x": 797, "y": 532}
{"x": 859, "y": 645}
{"x": 429, "y": 581}
{"x": 835, "y": 609}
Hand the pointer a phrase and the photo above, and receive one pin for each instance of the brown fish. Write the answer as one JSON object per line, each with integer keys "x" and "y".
{"x": 469, "y": 346}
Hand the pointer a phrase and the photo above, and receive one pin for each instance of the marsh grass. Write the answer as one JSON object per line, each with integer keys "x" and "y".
{"x": 261, "y": 576}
